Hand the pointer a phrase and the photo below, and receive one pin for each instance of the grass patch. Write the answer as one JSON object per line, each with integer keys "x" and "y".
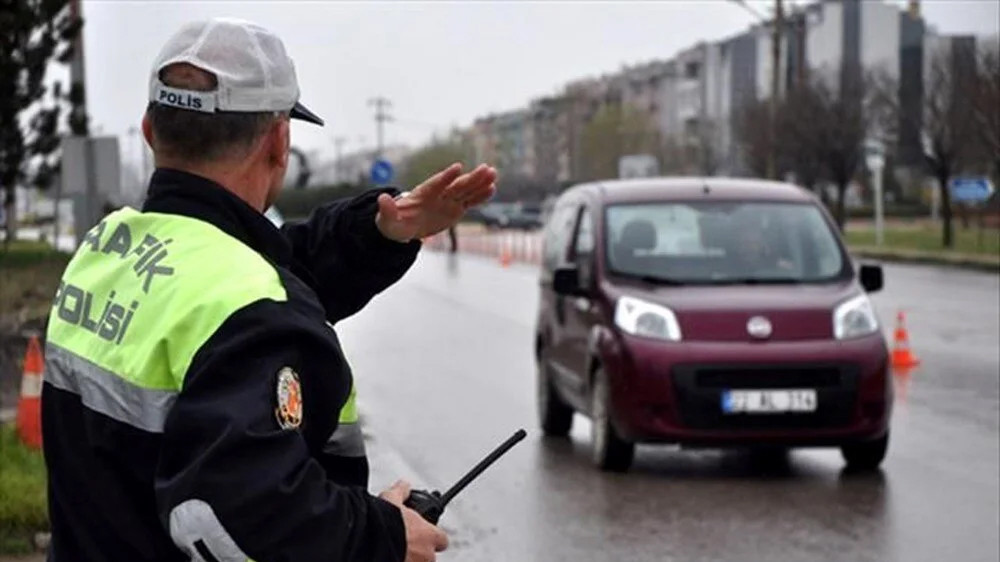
{"x": 927, "y": 238}
{"x": 23, "y": 510}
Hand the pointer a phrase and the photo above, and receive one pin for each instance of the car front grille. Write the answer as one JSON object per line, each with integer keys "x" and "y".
{"x": 768, "y": 377}
{"x": 699, "y": 388}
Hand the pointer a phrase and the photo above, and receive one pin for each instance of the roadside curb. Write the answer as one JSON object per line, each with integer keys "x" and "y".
{"x": 987, "y": 264}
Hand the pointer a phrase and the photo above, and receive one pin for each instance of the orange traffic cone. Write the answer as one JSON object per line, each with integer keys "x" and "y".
{"x": 902, "y": 357}
{"x": 29, "y": 407}
{"x": 505, "y": 256}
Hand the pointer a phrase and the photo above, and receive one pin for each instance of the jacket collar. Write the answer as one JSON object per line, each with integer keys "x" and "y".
{"x": 182, "y": 193}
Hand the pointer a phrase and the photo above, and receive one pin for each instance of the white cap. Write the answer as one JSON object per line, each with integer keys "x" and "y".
{"x": 253, "y": 71}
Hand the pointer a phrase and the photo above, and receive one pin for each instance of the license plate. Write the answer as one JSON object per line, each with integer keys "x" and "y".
{"x": 768, "y": 401}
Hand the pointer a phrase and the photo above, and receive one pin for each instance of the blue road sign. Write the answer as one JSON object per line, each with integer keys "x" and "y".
{"x": 971, "y": 190}
{"x": 382, "y": 172}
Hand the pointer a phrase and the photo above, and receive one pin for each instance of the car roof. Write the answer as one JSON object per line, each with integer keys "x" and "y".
{"x": 691, "y": 188}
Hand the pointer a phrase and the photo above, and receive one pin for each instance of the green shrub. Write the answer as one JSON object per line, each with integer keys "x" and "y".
{"x": 894, "y": 210}
{"x": 928, "y": 237}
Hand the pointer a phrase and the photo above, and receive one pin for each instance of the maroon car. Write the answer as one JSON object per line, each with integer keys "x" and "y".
{"x": 708, "y": 312}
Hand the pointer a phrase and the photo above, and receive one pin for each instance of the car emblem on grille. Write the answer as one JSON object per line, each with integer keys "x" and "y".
{"x": 759, "y": 327}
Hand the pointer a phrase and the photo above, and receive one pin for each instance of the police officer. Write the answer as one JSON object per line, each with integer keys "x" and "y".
{"x": 197, "y": 404}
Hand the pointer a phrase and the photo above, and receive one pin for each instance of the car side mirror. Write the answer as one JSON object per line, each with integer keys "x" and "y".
{"x": 566, "y": 281}
{"x": 871, "y": 277}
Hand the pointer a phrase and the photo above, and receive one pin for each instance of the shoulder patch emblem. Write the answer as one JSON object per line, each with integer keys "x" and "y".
{"x": 289, "y": 394}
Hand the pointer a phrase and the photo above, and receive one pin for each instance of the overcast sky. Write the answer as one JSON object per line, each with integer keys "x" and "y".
{"x": 440, "y": 63}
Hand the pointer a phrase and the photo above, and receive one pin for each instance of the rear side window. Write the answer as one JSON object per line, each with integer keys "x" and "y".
{"x": 584, "y": 243}
{"x": 557, "y": 235}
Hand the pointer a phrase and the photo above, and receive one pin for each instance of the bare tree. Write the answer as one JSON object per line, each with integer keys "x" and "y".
{"x": 615, "y": 131}
{"x": 799, "y": 148}
{"x": 986, "y": 104}
{"x": 946, "y": 121}
{"x": 840, "y": 133}
{"x": 751, "y": 125}
{"x": 694, "y": 154}
{"x": 431, "y": 158}
{"x": 33, "y": 35}
{"x": 820, "y": 133}
{"x": 673, "y": 157}
{"x": 707, "y": 150}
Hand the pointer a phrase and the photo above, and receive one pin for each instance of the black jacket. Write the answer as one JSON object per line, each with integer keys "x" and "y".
{"x": 112, "y": 486}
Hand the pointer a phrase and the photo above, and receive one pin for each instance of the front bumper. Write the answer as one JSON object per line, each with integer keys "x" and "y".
{"x": 671, "y": 392}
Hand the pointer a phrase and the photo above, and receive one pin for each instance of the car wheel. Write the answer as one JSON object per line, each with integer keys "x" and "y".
{"x": 867, "y": 455}
{"x": 555, "y": 416}
{"x": 610, "y": 451}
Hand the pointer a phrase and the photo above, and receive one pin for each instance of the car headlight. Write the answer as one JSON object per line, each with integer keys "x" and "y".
{"x": 854, "y": 318}
{"x": 641, "y": 318}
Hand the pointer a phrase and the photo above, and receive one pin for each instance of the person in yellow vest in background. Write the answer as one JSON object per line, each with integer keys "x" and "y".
{"x": 196, "y": 402}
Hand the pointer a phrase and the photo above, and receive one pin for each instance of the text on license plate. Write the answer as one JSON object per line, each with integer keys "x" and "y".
{"x": 768, "y": 401}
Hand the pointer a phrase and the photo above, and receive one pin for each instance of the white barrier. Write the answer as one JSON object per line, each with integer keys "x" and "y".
{"x": 507, "y": 246}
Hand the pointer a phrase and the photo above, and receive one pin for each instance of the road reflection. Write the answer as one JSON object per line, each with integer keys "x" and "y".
{"x": 901, "y": 377}
{"x": 712, "y": 504}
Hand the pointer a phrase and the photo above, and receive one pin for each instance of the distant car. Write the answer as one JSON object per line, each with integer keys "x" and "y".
{"x": 495, "y": 217}
{"x": 525, "y": 219}
{"x": 476, "y": 215}
{"x": 708, "y": 313}
{"x": 512, "y": 215}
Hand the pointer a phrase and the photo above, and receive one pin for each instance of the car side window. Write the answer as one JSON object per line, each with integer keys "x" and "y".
{"x": 583, "y": 247}
{"x": 583, "y": 244}
{"x": 557, "y": 235}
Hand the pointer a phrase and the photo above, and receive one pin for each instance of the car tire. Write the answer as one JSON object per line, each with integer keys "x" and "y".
{"x": 867, "y": 455}
{"x": 611, "y": 452}
{"x": 554, "y": 415}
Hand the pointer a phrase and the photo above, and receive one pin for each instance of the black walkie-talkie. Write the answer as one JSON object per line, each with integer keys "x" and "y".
{"x": 430, "y": 505}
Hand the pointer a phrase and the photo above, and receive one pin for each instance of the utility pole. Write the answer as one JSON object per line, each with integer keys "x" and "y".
{"x": 800, "y": 47}
{"x": 338, "y": 167}
{"x": 381, "y": 104}
{"x": 779, "y": 20}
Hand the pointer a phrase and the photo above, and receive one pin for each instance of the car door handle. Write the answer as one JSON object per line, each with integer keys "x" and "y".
{"x": 581, "y": 304}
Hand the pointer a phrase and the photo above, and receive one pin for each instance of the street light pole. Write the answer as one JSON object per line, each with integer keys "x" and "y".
{"x": 338, "y": 168}
{"x": 779, "y": 16}
{"x": 875, "y": 158}
{"x": 381, "y": 104}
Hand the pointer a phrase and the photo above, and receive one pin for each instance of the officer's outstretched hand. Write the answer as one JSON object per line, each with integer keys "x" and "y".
{"x": 423, "y": 539}
{"x": 436, "y": 204}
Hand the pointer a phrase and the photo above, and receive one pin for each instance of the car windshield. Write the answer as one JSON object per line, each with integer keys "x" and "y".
{"x": 722, "y": 242}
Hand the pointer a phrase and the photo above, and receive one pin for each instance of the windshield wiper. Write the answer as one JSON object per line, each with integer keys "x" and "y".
{"x": 656, "y": 280}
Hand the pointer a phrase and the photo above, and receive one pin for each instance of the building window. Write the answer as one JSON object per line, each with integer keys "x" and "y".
{"x": 692, "y": 69}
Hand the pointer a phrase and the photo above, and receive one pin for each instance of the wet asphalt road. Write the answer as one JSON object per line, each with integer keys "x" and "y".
{"x": 445, "y": 372}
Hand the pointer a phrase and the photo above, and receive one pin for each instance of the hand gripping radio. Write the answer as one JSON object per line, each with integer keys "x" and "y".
{"x": 430, "y": 505}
